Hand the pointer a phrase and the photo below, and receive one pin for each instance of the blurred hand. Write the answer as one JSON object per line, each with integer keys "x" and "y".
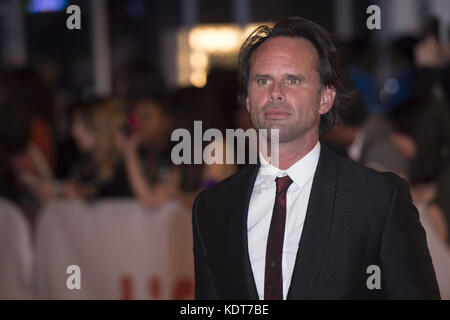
{"x": 127, "y": 145}
{"x": 75, "y": 191}
{"x": 428, "y": 53}
{"x": 405, "y": 144}
{"x": 42, "y": 189}
{"x": 70, "y": 191}
{"x": 423, "y": 193}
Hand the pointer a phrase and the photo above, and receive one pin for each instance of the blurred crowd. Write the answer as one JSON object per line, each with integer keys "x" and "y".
{"x": 402, "y": 124}
{"x": 55, "y": 145}
{"x": 95, "y": 147}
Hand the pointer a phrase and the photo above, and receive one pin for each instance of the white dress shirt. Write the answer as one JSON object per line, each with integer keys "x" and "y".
{"x": 260, "y": 214}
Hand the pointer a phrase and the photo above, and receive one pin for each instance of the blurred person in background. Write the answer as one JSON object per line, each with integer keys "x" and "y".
{"x": 409, "y": 133}
{"x": 28, "y": 104}
{"x": 432, "y": 64}
{"x": 151, "y": 123}
{"x": 422, "y": 130}
{"x": 366, "y": 138}
{"x": 23, "y": 166}
{"x": 99, "y": 172}
{"x": 199, "y": 104}
{"x": 145, "y": 141}
{"x": 420, "y": 69}
{"x": 421, "y": 133}
{"x": 39, "y": 100}
{"x": 146, "y": 150}
{"x": 144, "y": 144}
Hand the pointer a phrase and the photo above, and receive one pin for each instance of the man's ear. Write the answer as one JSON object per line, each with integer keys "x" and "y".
{"x": 326, "y": 99}
{"x": 247, "y": 103}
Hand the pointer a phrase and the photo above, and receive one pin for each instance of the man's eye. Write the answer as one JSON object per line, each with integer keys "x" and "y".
{"x": 262, "y": 81}
{"x": 293, "y": 81}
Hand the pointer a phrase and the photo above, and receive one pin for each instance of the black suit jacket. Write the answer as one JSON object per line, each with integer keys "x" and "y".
{"x": 356, "y": 217}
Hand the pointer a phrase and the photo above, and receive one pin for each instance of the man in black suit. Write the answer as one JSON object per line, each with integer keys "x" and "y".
{"x": 316, "y": 226}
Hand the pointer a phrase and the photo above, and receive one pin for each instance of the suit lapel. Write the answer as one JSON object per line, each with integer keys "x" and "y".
{"x": 240, "y": 199}
{"x": 316, "y": 228}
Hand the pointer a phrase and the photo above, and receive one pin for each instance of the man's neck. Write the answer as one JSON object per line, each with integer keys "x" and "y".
{"x": 292, "y": 151}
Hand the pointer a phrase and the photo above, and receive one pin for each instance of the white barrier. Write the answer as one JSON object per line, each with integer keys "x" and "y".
{"x": 122, "y": 250}
{"x": 16, "y": 255}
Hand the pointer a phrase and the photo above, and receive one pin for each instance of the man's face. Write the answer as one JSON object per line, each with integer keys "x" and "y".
{"x": 284, "y": 88}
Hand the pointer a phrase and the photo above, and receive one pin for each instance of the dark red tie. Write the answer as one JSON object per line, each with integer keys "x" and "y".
{"x": 273, "y": 279}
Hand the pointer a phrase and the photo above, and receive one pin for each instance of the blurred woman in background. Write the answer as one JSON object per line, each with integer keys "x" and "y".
{"x": 99, "y": 172}
{"x": 146, "y": 150}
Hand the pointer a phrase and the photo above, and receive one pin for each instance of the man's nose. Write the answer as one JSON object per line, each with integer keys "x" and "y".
{"x": 276, "y": 92}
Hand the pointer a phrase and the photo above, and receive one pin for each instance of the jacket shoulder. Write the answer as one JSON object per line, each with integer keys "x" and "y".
{"x": 359, "y": 176}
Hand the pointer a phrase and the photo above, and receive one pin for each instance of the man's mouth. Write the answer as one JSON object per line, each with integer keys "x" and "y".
{"x": 276, "y": 114}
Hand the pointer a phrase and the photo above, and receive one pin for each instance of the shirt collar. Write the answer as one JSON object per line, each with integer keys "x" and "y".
{"x": 300, "y": 172}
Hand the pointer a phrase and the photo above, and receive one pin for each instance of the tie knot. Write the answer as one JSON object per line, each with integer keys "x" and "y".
{"x": 283, "y": 183}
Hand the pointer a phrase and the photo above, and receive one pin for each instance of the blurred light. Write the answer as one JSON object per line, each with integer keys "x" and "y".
{"x": 391, "y": 86}
{"x": 38, "y": 6}
{"x": 197, "y": 45}
{"x": 198, "y": 78}
{"x": 199, "y": 60}
{"x": 135, "y": 8}
{"x": 215, "y": 38}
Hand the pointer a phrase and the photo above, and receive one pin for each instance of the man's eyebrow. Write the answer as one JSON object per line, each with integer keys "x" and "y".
{"x": 258, "y": 75}
{"x": 297, "y": 75}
